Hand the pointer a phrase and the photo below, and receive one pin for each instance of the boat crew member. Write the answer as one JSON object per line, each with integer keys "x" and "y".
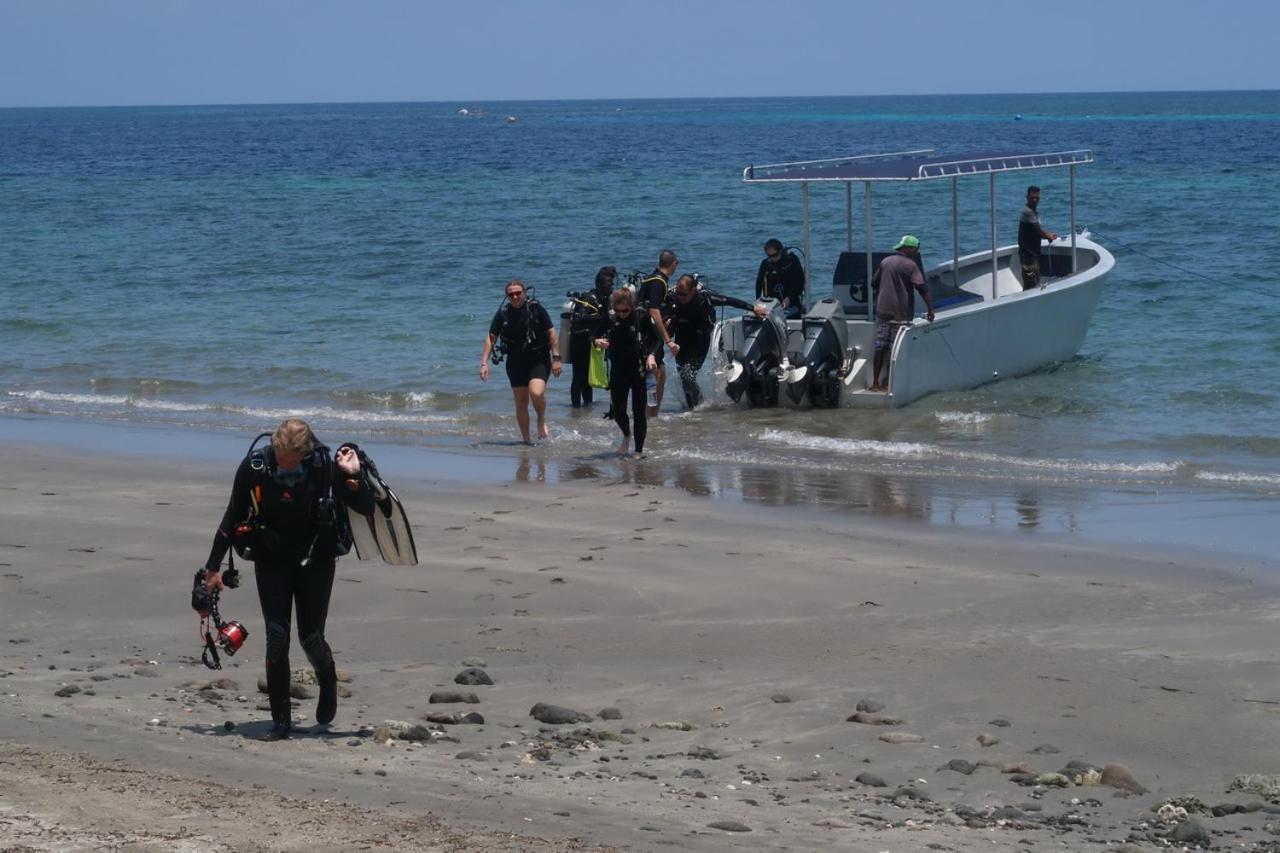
{"x": 282, "y": 513}
{"x": 651, "y": 297}
{"x": 690, "y": 317}
{"x": 895, "y": 278}
{"x": 589, "y": 316}
{"x": 632, "y": 341}
{"x": 781, "y": 277}
{"x": 1030, "y": 233}
{"x": 522, "y": 331}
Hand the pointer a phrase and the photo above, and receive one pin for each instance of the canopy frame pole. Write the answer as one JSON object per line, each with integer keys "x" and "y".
{"x": 848, "y": 216}
{"x": 955, "y": 232}
{"x": 995, "y": 261}
{"x": 804, "y": 198}
{"x": 1073, "y": 219}
{"x": 871, "y": 313}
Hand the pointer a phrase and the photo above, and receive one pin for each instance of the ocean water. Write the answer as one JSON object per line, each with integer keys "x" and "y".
{"x": 225, "y": 266}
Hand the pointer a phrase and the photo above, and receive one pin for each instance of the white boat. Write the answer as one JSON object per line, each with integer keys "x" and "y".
{"x": 985, "y": 327}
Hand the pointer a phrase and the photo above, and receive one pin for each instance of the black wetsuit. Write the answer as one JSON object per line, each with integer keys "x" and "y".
{"x": 526, "y": 333}
{"x": 652, "y": 293}
{"x": 588, "y": 318}
{"x": 630, "y": 343}
{"x": 782, "y": 280}
{"x": 290, "y": 531}
{"x": 691, "y": 325}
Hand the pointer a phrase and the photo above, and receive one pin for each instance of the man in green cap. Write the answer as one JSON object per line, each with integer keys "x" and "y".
{"x": 895, "y": 278}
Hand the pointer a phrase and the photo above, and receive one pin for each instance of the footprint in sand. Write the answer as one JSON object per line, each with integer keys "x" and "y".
{"x": 473, "y": 548}
{"x": 457, "y": 527}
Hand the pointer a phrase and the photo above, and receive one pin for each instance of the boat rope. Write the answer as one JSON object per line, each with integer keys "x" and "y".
{"x": 1112, "y": 239}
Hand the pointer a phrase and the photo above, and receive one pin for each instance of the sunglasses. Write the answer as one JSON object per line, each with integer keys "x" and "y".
{"x": 512, "y": 294}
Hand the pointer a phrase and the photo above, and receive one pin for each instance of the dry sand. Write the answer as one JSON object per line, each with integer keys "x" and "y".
{"x": 758, "y": 632}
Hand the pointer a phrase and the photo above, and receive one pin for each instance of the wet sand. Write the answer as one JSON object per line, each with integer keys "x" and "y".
{"x": 732, "y": 645}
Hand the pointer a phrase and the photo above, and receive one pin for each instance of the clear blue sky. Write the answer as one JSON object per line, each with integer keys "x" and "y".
{"x": 106, "y": 52}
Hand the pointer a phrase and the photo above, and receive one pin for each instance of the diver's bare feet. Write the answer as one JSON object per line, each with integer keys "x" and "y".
{"x": 625, "y": 447}
{"x": 875, "y": 389}
{"x": 543, "y": 432}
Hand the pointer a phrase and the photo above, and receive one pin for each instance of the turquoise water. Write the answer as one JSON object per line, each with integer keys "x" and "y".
{"x": 223, "y": 266}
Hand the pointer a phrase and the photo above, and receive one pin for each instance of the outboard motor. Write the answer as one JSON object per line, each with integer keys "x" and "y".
{"x": 755, "y": 368}
{"x": 816, "y": 371}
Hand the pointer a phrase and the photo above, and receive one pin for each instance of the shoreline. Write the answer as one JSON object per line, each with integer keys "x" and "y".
{"x": 735, "y": 646}
{"x": 1232, "y": 528}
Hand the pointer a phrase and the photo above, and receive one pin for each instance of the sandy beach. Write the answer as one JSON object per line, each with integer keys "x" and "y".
{"x": 742, "y": 678}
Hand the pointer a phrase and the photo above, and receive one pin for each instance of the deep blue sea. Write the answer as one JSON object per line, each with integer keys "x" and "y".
{"x": 222, "y": 266}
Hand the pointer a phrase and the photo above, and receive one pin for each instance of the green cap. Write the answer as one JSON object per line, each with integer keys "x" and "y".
{"x": 908, "y": 240}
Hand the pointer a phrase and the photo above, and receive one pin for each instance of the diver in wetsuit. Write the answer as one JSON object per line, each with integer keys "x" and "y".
{"x": 691, "y": 315}
{"x": 283, "y": 514}
{"x": 781, "y": 277}
{"x": 529, "y": 340}
{"x": 589, "y": 317}
{"x": 632, "y": 342}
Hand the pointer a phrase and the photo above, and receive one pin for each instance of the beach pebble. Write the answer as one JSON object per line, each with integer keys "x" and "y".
{"x": 673, "y": 725}
{"x": 1082, "y": 773}
{"x": 910, "y": 792}
{"x": 1265, "y": 786}
{"x": 470, "y": 755}
{"x": 1045, "y": 749}
{"x": 1191, "y": 831}
{"x": 831, "y": 823}
{"x": 556, "y": 715}
{"x": 447, "y": 697}
{"x": 780, "y": 698}
{"x": 1224, "y": 809}
{"x": 300, "y": 691}
{"x": 1121, "y": 777}
{"x": 870, "y": 719}
{"x": 382, "y": 734}
{"x": 441, "y": 718}
{"x": 1053, "y": 780}
{"x": 1000, "y": 724}
{"x": 476, "y": 662}
{"x": 959, "y": 765}
{"x": 610, "y": 713}
{"x": 692, "y": 773}
{"x": 418, "y": 734}
{"x": 228, "y": 726}
{"x": 704, "y": 753}
{"x": 871, "y": 780}
{"x": 471, "y": 677}
{"x": 987, "y": 740}
{"x": 901, "y": 737}
{"x": 1018, "y": 767}
{"x": 729, "y": 826}
{"x": 147, "y": 672}
{"x": 471, "y": 719}
{"x": 69, "y": 690}
{"x": 870, "y": 706}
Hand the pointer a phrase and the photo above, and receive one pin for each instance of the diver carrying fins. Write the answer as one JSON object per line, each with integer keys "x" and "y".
{"x": 294, "y": 509}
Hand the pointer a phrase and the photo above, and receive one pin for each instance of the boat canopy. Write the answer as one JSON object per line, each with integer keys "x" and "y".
{"x": 921, "y": 165}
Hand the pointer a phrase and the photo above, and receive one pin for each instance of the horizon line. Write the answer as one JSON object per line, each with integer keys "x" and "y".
{"x": 176, "y": 105}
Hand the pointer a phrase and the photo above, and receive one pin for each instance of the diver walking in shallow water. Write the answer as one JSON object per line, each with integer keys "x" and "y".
{"x": 283, "y": 515}
{"x": 522, "y": 331}
{"x": 589, "y": 318}
{"x": 631, "y": 341}
{"x": 691, "y": 317}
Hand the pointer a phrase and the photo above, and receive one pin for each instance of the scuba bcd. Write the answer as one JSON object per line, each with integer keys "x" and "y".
{"x": 509, "y": 337}
{"x": 253, "y": 535}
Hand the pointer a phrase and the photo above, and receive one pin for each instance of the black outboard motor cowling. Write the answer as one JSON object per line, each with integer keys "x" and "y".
{"x": 816, "y": 372}
{"x": 763, "y": 350}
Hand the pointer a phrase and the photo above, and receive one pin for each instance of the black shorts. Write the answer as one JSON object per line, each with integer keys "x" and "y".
{"x": 520, "y": 371}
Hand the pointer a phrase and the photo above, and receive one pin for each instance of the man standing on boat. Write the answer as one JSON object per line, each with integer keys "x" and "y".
{"x": 1029, "y": 234}
{"x": 895, "y": 277}
{"x": 652, "y": 295}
